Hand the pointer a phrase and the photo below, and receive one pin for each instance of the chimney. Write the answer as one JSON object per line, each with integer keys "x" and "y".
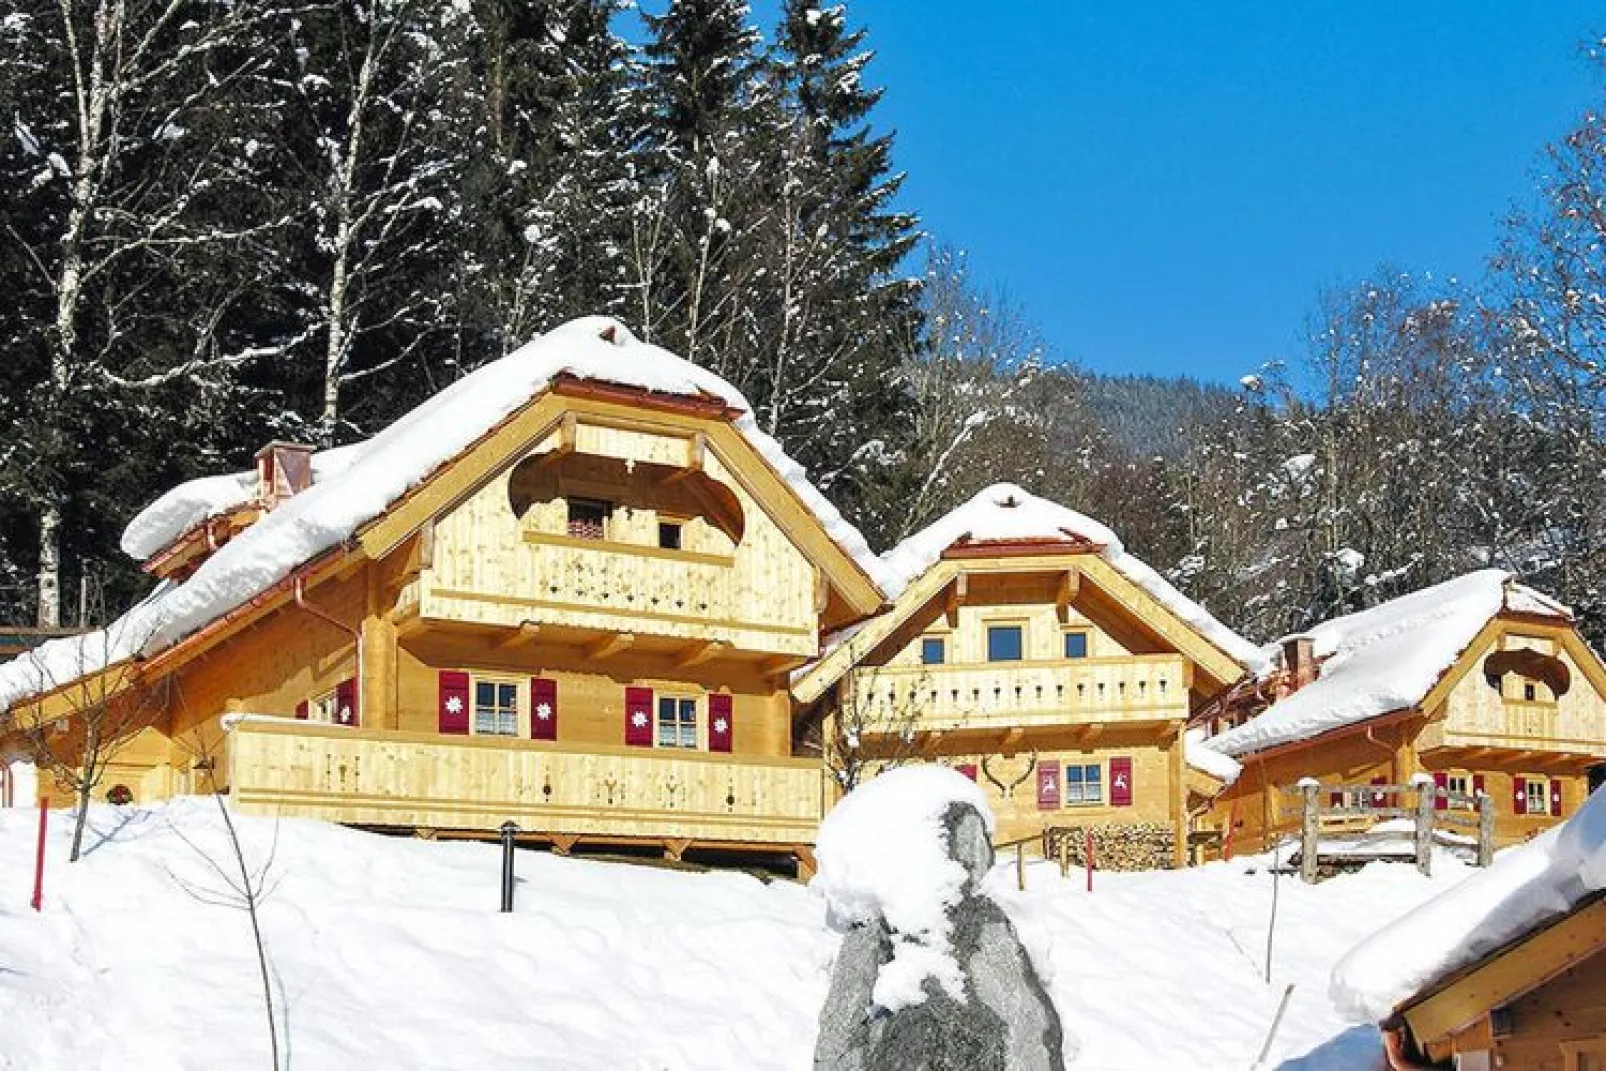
{"x": 1299, "y": 660}
{"x": 283, "y": 469}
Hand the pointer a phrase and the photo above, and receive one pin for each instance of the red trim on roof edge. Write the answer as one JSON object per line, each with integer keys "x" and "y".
{"x": 703, "y": 405}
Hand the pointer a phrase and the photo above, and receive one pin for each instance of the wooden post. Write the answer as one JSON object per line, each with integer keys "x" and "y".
{"x": 1307, "y": 833}
{"x": 1089, "y": 858}
{"x": 1425, "y": 795}
{"x": 1020, "y": 864}
{"x": 1485, "y": 829}
{"x": 1065, "y": 854}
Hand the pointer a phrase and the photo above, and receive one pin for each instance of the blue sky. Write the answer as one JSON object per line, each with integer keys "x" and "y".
{"x": 1165, "y": 187}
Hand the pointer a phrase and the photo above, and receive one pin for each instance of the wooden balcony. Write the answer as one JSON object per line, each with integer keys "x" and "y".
{"x": 1025, "y": 694}
{"x": 424, "y": 781}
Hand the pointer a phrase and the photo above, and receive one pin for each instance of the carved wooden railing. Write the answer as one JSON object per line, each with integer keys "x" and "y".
{"x": 381, "y": 778}
{"x": 1146, "y": 687}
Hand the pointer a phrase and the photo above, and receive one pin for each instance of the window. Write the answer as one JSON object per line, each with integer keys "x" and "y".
{"x": 933, "y": 651}
{"x": 669, "y": 535}
{"x": 588, "y": 517}
{"x": 1076, "y": 645}
{"x": 1538, "y": 795}
{"x": 1084, "y": 784}
{"x": 322, "y": 708}
{"x": 496, "y": 708}
{"x": 1529, "y": 692}
{"x": 677, "y": 722}
{"x": 1005, "y": 643}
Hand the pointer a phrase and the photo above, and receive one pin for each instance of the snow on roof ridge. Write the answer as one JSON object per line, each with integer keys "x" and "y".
{"x": 1008, "y": 512}
{"x": 381, "y": 469}
{"x": 1526, "y": 887}
{"x": 1384, "y": 658}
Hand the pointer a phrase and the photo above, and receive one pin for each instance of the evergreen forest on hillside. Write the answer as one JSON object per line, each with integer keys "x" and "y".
{"x": 296, "y": 219}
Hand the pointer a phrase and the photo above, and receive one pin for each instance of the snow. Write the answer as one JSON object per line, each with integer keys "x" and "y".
{"x": 883, "y": 853}
{"x": 389, "y": 952}
{"x": 1526, "y": 886}
{"x": 1005, "y": 512}
{"x": 361, "y": 482}
{"x": 1385, "y": 659}
{"x": 24, "y": 783}
{"x": 1201, "y": 756}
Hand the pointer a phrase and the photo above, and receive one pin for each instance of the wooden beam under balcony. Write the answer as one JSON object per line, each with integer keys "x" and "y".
{"x": 1011, "y": 740}
{"x": 696, "y": 452}
{"x": 701, "y": 652}
{"x": 956, "y": 598}
{"x": 1086, "y": 734}
{"x": 608, "y": 646}
{"x": 525, "y": 633}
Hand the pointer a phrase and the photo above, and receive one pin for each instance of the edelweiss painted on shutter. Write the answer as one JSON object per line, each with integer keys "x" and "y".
{"x": 1555, "y": 797}
{"x": 638, "y": 717}
{"x": 1441, "y": 783}
{"x": 543, "y": 708}
{"x": 1519, "y": 795}
{"x": 453, "y": 702}
{"x": 721, "y": 727}
{"x": 346, "y": 712}
{"x": 1048, "y": 785}
{"x": 1120, "y": 781}
{"x": 1477, "y": 784}
{"x": 1380, "y": 799}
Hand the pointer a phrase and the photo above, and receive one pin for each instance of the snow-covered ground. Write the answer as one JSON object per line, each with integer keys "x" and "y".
{"x": 389, "y": 952}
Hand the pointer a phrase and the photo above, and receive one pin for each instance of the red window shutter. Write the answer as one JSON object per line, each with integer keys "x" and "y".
{"x": 1441, "y": 785}
{"x": 301, "y": 710}
{"x": 968, "y": 769}
{"x": 1335, "y": 799}
{"x": 721, "y": 725}
{"x": 543, "y": 708}
{"x": 1379, "y": 799}
{"x": 1048, "y": 785}
{"x": 454, "y": 702}
{"x": 1477, "y": 784}
{"x": 346, "y": 712}
{"x": 1555, "y": 797}
{"x": 1519, "y": 797}
{"x": 638, "y": 717}
{"x": 1121, "y": 781}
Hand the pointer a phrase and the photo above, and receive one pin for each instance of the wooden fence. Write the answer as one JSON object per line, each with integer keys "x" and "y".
{"x": 1368, "y": 803}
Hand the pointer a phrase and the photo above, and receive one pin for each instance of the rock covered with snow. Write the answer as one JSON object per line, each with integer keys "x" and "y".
{"x": 1526, "y": 886}
{"x": 358, "y": 483}
{"x": 1006, "y": 513}
{"x": 1387, "y": 658}
{"x": 931, "y": 973}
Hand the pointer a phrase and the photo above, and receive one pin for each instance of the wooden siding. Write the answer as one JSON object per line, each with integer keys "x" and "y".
{"x": 1036, "y": 693}
{"x": 493, "y": 567}
{"x": 368, "y": 777}
{"x": 1478, "y": 715}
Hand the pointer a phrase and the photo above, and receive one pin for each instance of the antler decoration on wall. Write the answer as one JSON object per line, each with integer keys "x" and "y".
{"x": 1009, "y": 789}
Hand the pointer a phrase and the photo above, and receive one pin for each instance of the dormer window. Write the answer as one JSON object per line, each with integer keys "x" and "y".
{"x": 669, "y": 535}
{"x": 588, "y": 518}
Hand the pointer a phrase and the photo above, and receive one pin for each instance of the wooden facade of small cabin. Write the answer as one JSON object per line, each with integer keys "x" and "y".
{"x": 1521, "y": 716}
{"x": 584, "y": 624}
{"x": 1044, "y": 673}
{"x": 1538, "y": 1003}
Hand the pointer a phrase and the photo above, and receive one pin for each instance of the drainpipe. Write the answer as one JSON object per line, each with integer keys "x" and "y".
{"x": 324, "y": 615}
{"x": 1394, "y": 754}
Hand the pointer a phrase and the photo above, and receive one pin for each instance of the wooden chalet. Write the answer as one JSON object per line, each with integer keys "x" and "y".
{"x": 1483, "y": 683}
{"x": 1505, "y": 970}
{"x": 1029, "y": 651}
{"x": 567, "y": 592}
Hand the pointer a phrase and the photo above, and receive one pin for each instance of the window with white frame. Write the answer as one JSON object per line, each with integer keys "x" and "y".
{"x": 324, "y": 708}
{"x": 1458, "y": 784}
{"x": 677, "y": 721}
{"x": 496, "y": 708}
{"x": 1538, "y": 789}
{"x": 1084, "y": 783}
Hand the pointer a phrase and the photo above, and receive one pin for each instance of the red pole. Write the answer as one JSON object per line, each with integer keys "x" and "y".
{"x": 39, "y": 859}
{"x": 1088, "y": 854}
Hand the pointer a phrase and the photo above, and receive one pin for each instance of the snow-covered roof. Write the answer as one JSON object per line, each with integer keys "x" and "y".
{"x": 1526, "y": 887}
{"x": 1206, "y": 759}
{"x": 361, "y": 481}
{"x": 1005, "y": 513}
{"x": 1387, "y": 658}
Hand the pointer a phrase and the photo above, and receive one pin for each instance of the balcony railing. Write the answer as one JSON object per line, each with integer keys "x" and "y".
{"x": 1080, "y": 692}
{"x": 380, "y": 778}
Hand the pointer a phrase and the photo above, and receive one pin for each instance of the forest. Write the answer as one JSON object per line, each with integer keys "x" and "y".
{"x": 225, "y": 223}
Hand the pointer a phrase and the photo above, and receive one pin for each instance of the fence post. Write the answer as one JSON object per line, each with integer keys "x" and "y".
{"x": 508, "y": 831}
{"x": 1089, "y": 854}
{"x": 1485, "y": 829}
{"x": 1426, "y": 793}
{"x": 1307, "y": 831}
{"x": 1065, "y": 854}
{"x": 1020, "y": 864}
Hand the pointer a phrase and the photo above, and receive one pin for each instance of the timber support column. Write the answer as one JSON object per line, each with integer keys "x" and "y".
{"x": 378, "y": 656}
{"x": 1178, "y": 762}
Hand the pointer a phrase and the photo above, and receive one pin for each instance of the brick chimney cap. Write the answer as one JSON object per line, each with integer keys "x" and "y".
{"x": 284, "y": 444}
